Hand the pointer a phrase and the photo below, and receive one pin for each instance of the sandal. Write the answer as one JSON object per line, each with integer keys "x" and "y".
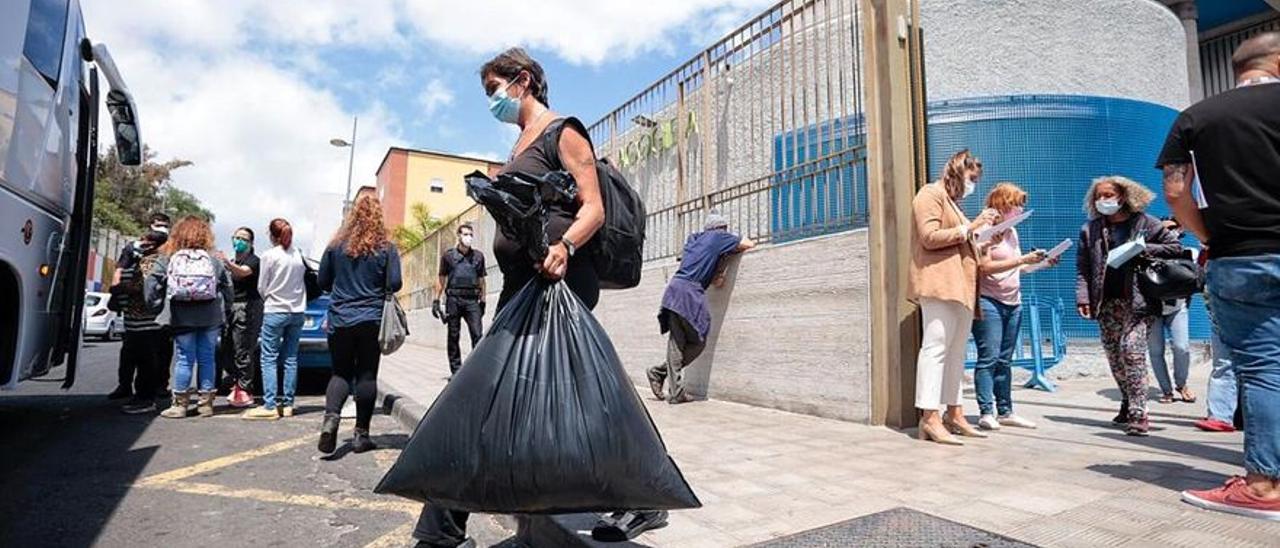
{"x": 1187, "y": 395}
{"x": 1166, "y": 398}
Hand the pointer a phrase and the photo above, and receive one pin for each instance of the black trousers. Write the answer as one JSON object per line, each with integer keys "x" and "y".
{"x": 356, "y": 357}
{"x": 448, "y": 528}
{"x": 245, "y": 327}
{"x": 457, "y": 310}
{"x": 148, "y": 354}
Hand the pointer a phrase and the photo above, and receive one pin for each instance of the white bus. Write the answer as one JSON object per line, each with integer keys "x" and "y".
{"x": 49, "y": 101}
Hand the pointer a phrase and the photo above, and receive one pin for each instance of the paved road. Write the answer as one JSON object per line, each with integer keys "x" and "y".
{"x": 74, "y": 471}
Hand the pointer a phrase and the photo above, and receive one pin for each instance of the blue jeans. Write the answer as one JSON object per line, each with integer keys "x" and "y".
{"x": 1223, "y": 392}
{"x": 1175, "y": 328}
{"x": 1245, "y": 292}
{"x": 996, "y": 336}
{"x": 280, "y": 334}
{"x": 195, "y": 349}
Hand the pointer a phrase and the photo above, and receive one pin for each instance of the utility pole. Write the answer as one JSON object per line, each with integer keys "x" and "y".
{"x": 894, "y": 149}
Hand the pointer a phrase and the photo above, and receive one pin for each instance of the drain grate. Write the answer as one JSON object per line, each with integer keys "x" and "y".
{"x": 896, "y": 528}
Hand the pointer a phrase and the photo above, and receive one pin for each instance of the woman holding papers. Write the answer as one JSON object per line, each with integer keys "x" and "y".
{"x": 995, "y": 332}
{"x": 944, "y": 280}
{"x": 1118, "y": 230}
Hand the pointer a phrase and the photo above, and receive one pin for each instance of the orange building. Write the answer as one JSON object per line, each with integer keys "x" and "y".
{"x": 409, "y": 176}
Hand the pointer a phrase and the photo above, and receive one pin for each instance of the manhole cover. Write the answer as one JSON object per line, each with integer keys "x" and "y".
{"x": 896, "y": 528}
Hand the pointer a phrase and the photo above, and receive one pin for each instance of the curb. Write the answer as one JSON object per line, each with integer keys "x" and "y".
{"x": 533, "y": 531}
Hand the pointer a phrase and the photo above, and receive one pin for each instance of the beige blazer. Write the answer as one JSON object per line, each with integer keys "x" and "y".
{"x": 944, "y": 262}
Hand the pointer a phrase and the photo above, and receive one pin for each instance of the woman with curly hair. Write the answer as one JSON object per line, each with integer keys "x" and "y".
{"x": 358, "y": 269}
{"x": 1117, "y": 214}
{"x": 193, "y": 292}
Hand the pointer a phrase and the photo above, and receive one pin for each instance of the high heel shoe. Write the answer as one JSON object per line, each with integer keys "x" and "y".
{"x": 962, "y": 429}
{"x": 937, "y": 434}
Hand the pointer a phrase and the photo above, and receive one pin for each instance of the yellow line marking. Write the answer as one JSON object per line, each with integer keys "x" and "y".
{"x": 313, "y": 501}
{"x": 397, "y": 537}
{"x": 221, "y": 462}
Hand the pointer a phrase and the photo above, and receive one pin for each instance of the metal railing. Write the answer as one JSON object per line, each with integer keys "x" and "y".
{"x": 765, "y": 125}
{"x": 419, "y": 267}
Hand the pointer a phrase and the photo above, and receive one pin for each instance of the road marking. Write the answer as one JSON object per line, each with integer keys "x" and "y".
{"x": 397, "y": 537}
{"x": 221, "y": 462}
{"x": 313, "y": 501}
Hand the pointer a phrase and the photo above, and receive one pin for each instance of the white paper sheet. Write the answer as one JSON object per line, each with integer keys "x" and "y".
{"x": 1054, "y": 253}
{"x": 1124, "y": 253}
{"x": 986, "y": 233}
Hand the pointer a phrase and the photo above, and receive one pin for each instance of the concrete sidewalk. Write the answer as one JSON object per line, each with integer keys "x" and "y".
{"x": 1075, "y": 481}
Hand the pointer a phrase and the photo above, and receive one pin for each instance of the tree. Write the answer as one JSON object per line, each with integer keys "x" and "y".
{"x": 421, "y": 225}
{"x": 125, "y": 196}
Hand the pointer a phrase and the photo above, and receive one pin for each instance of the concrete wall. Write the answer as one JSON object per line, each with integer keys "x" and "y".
{"x": 789, "y": 329}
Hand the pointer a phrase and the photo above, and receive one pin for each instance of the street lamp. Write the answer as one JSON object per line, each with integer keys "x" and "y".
{"x": 346, "y": 198}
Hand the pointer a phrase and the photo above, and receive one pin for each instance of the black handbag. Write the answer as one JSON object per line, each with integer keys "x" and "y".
{"x": 1170, "y": 279}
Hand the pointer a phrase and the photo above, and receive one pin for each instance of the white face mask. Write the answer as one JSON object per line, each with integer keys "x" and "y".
{"x": 969, "y": 187}
{"x": 467, "y": 239}
{"x": 1108, "y": 206}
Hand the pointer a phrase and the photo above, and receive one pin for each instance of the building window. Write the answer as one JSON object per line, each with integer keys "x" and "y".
{"x": 437, "y": 186}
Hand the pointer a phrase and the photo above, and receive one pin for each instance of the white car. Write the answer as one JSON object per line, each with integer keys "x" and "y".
{"x": 98, "y": 321}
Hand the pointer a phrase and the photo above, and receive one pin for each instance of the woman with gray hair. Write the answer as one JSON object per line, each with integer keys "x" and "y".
{"x": 1109, "y": 293}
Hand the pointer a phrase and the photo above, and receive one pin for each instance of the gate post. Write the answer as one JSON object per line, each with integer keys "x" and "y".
{"x": 894, "y": 150}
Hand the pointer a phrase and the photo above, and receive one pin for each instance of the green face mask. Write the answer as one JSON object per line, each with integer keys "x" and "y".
{"x": 240, "y": 246}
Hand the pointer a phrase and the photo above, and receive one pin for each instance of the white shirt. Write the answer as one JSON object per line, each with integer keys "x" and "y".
{"x": 281, "y": 281}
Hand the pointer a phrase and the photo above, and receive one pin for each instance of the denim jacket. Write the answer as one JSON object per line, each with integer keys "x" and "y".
{"x": 1091, "y": 259}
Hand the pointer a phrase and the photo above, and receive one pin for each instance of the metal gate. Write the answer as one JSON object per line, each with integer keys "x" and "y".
{"x": 765, "y": 126}
{"x": 1216, "y": 51}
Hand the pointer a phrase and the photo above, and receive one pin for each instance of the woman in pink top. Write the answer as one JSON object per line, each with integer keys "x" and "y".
{"x": 995, "y": 331}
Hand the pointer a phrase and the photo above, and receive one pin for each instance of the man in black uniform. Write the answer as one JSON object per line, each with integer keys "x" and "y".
{"x": 461, "y": 282}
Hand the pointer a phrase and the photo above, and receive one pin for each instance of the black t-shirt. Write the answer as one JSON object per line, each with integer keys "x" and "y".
{"x": 1235, "y": 137}
{"x": 246, "y": 289}
{"x": 462, "y": 270}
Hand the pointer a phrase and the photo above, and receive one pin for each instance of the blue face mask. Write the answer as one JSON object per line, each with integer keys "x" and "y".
{"x": 504, "y": 107}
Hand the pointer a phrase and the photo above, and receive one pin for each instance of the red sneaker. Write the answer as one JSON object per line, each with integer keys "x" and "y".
{"x": 1211, "y": 424}
{"x": 239, "y": 398}
{"x": 1234, "y": 498}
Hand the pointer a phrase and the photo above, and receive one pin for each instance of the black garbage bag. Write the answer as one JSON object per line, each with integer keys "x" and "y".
{"x": 541, "y": 418}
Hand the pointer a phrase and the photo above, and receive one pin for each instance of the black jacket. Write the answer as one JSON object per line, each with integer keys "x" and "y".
{"x": 1091, "y": 259}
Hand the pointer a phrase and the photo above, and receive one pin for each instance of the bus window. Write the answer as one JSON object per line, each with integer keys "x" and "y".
{"x": 46, "y": 28}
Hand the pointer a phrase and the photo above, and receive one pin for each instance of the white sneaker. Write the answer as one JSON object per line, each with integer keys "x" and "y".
{"x": 988, "y": 422}
{"x": 349, "y": 410}
{"x": 1016, "y": 421}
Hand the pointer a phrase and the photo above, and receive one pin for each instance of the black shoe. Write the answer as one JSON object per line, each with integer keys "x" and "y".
{"x": 361, "y": 442}
{"x": 120, "y": 393}
{"x": 655, "y": 383}
{"x": 1122, "y": 418}
{"x": 163, "y": 392}
{"x": 329, "y": 434}
{"x": 137, "y": 406}
{"x": 624, "y": 526}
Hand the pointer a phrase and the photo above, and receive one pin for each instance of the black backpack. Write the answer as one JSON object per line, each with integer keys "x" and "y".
{"x": 618, "y": 248}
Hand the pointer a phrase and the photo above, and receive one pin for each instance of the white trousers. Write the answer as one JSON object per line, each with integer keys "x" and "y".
{"x": 940, "y": 366}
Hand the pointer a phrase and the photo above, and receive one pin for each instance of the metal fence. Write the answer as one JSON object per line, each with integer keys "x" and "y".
{"x": 419, "y": 266}
{"x": 765, "y": 126}
{"x": 1215, "y": 55}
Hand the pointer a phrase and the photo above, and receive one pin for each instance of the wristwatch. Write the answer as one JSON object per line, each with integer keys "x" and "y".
{"x": 569, "y": 245}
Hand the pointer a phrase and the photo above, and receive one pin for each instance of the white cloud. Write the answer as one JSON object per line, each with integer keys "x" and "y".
{"x": 490, "y": 155}
{"x": 434, "y": 96}
{"x": 580, "y": 31}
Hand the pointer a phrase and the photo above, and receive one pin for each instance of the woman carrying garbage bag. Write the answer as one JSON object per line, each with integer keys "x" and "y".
{"x": 517, "y": 91}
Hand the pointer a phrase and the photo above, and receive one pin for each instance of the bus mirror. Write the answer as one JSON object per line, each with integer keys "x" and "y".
{"x": 120, "y": 105}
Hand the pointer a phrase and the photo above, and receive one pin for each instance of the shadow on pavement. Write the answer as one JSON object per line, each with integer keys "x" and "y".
{"x": 68, "y": 464}
{"x": 1173, "y": 476}
{"x": 384, "y": 442}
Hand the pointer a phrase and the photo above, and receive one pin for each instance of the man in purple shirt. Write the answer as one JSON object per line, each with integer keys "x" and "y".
{"x": 685, "y": 315}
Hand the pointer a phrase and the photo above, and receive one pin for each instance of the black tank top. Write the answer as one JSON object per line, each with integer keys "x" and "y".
{"x": 514, "y": 261}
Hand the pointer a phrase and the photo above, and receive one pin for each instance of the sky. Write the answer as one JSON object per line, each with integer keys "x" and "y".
{"x": 252, "y": 91}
